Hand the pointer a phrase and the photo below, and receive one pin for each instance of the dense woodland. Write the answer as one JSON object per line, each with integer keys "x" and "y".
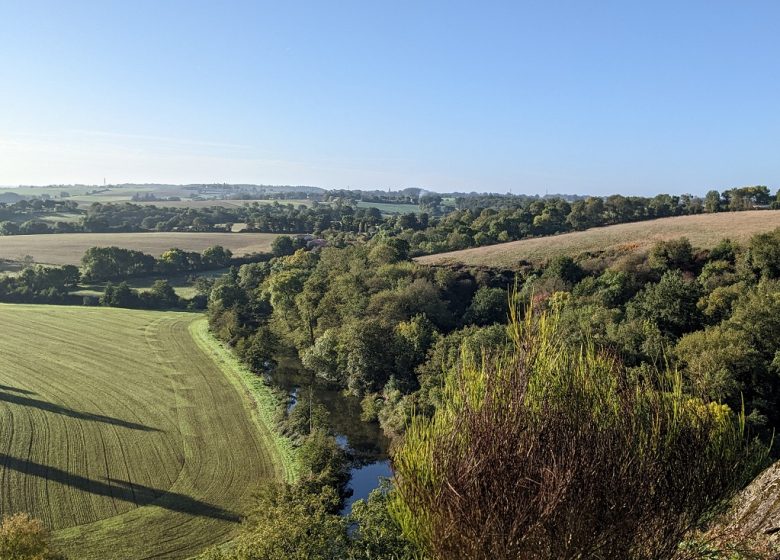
{"x": 702, "y": 325}
{"x": 368, "y": 320}
{"x": 653, "y": 378}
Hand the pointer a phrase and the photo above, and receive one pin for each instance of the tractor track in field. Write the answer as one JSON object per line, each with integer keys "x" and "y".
{"x": 124, "y": 434}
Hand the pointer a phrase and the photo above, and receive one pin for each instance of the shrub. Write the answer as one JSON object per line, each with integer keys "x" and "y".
{"x": 544, "y": 452}
{"x": 25, "y": 538}
{"x": 672, "y": 254}
{"x": 289, "y": 522}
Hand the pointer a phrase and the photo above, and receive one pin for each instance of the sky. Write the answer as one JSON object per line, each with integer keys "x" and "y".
{"x": 529, "y": 97}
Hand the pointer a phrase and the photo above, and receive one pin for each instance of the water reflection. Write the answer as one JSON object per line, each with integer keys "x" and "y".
{"x": 364, "y": 480}
{"x": 365, "y": 441}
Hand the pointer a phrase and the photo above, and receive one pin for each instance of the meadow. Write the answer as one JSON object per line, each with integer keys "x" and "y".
{"x": 130, "y": 434}
{"x": 703, "y": 230}
{"x": 388, "y": 208}
{"x": 68, "y": 248}
{"x": 86, "y": 195}
{"x": 182, "y": 284}
{"x": 224, "y": 203}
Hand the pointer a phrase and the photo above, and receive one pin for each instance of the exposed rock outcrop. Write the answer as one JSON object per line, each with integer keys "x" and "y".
{"x": 756, "y": 510}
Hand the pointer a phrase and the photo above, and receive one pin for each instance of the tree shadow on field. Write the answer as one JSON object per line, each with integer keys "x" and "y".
{"x": 17, "y": 390}
{"x": 137, "y": 494}
{"x": 57, "y": 409}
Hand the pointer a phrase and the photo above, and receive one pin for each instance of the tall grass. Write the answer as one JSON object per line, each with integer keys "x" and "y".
{"x": 551, "y": 452}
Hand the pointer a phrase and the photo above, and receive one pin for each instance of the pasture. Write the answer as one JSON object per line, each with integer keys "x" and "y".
{"x": 703, "y": 230}
{"x": 388, "y": 208}
{"x": 224, "y": 203}
{"x": 182, "y": 284}
{"x": 68, "y": 248}
{"x": 128, "y": 433}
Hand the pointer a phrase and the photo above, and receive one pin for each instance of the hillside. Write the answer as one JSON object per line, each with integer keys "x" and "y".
{"x": 122, "y": 432}
{"x": 68, "y": 248}
{"x": 703, "y": 230}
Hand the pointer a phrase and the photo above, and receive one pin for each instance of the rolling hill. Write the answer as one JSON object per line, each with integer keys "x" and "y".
{"x": 703, "y": 230}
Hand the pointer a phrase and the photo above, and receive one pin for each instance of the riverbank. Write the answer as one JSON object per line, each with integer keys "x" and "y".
{"x": 259, "y": 398}
{"x": 365, "y": 443}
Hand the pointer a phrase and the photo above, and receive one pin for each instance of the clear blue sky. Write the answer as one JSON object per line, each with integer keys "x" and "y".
{"x": 575, "y": 97}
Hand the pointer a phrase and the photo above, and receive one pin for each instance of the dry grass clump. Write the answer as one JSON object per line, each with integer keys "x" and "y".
{"x": 549, "y": 452}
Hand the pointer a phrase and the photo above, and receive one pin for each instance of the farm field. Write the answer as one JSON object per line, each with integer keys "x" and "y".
{"x": 181, "y": 283}
{"x": 86, "y": 195}
{"x": 128, "y": 433}
{"x": 186, "y": 203}
{"x": 68, "y": 248}
{"x": 387, "y": 208}
{"x": 703, "y": 230}
{"x": 53, "y": 191}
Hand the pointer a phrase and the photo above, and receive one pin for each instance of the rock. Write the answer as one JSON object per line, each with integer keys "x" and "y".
{"x": 756, "y": 510}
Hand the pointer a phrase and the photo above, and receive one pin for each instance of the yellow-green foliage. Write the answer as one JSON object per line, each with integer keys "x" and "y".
{"x": 25, "y": 538}
{"x": 555, "y": 392}
{"x": 290, "y": 523}
{"x": 125, "y": 435}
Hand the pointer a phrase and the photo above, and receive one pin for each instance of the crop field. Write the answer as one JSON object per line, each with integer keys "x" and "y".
{"x": 186, "y": 203}
{"x": 703, "y": 230}
{"x": 68, "y": 248}
{"x": 126, "y": 432}
{"x": 86, "y": 195}
{"x": 52, "y": 191}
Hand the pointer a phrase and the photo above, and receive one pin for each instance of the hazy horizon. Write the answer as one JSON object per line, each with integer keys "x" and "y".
{"x": 367, "y": 189}
{"x": 573, "y": 98}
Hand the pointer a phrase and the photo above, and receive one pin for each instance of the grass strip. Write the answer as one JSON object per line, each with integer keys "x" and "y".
{"x": 261, "y": 401}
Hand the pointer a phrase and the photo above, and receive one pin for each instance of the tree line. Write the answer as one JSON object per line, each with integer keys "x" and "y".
{"x": 112, "y": 263}
{"x": 54, "y": 284}
{"x": 465, "y": 221}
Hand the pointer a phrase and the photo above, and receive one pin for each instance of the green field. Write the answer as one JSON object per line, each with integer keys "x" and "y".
{"x": 224, "y": 203}
{"x": 87, "y": 195}
{"x": 387, "y": 208}
{"x": 69, "y": 217}
{"x": 52, "y": 191}
{"x": 68, "y": 248}
{"x": 703, "y": 230}
{"x": 131, "y": 434}
{"x": 181, "y": 283}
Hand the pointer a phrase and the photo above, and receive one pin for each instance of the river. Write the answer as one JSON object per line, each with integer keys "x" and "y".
{"x": 365, "y": 441}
